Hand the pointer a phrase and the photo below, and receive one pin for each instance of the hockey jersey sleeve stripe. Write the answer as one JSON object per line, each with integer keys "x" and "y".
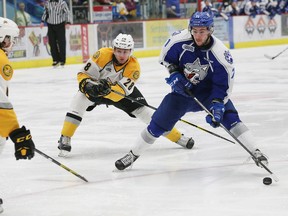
{"x": 73, "y": 119}
{"x": 6, "y": 106}
{"x": 70, "y": 124}
{"x": 81, "y": 76}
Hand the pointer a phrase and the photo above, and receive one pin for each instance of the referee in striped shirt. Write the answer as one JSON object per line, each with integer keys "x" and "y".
{"x": 56, "y": 15}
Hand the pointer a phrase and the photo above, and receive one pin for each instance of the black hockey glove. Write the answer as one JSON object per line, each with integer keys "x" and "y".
{"x": 104, "y": 88}
{"x": 94, "y": 89}
{"x": 24, "y": 145}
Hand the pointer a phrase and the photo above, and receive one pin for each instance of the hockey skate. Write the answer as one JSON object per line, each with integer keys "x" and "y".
{"x": 64, "y": 146}
{"x": 55, "y": 64}
{"x": 1, "y": 208}
{"x": 126, "y": 161}
{"x": 186, "y": 142}
{"x": 260, "y": 157}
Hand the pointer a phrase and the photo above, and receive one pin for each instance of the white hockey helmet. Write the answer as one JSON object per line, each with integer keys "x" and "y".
{"x": 8, "y": 28}
{"x": 123, "y": 41}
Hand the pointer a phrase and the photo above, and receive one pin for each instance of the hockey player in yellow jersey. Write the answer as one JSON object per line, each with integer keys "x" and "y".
{"x": 9, "y": 126}
{"x": 108, "y": 71}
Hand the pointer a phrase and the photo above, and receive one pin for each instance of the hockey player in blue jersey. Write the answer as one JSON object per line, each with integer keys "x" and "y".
{"x": 200, "y": 62}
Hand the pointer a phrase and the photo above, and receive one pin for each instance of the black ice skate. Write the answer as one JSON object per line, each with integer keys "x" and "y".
{"x": 55, "y": 64}
{"x": 64, "y": 146}
{"x": 186, "y": 142}
{"x": 126, "y": 161}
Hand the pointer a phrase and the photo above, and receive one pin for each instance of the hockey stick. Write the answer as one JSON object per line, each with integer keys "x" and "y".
{"x": 235, "y": 138}
{"x": 189, "y": 123}
{"x": 61, "y": 165}
{"x": 273, "y": 57}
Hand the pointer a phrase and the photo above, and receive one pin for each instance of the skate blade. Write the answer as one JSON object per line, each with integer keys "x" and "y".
{"x": 63, "y": 153}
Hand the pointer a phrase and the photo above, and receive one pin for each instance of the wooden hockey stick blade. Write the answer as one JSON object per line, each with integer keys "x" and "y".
{"x": 59, "y": 164}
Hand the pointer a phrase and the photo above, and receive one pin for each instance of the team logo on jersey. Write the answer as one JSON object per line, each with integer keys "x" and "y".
{"x": 136, "y": 75}
{"x": 228, "y": 57}
{"x": 188, "y": 47}
{"x": 96, "y": 55}
{"x": 196, "y": 72}
{"x": 7, "y": 72}
{"x": 108, "y": 69}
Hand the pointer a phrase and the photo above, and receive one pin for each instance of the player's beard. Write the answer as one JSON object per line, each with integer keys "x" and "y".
{"x": 201, "y": 43}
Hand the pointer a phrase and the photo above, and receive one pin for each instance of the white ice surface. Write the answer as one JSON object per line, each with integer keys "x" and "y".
{"x": 212, "y": 179}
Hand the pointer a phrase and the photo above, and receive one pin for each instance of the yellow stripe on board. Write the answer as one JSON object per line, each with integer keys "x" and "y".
{"x": 43, "y": 62}
{"x": 74, "y": 60}
{"x": 261, "y": 43}
{"x": 140, "y": 54}
{"x": 146, "y": 53}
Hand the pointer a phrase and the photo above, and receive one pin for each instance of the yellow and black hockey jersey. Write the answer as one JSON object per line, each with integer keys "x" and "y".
{"x": 102, "y": 66}
{"x": 8, "y": 118}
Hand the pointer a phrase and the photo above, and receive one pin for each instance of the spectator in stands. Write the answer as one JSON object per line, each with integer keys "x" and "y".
{"x": 22, "y": 18}
{"x": 79, "y": 2}
{"x": 252, "y": 8}
{"x": 39, "y": 9}
{"x": 208, "y": 7}
{"x": 232, "y": 9}
{"x": 121, "y": 11}
{"x": 225, "y": 3}
{"x": 102, "y": 2}
{"x": 173, "y": 8}
{"x": 241, "y": 5}
{"x": 282, "y": 6}
{"x": 131, "y": 8}
{"x": 272, "y": 9}
{"x": 262, "y": 4}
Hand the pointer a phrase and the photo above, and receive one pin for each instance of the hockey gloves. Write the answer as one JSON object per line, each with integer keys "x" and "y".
{"x": 24, "y": 145}
{"x": 217, "y": 109}
{"x": 94, "y": 89}
{"x": 179, "y": 83}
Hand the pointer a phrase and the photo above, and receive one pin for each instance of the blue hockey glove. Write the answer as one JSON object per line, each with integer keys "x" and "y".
{"x": 217, "y": 109}
{"x": 179, "y": 83}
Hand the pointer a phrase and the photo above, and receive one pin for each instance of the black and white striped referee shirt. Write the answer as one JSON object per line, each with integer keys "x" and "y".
{"x": 56, "y": 12}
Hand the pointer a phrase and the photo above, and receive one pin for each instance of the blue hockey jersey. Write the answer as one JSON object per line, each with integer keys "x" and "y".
{"x": 212, "y": 65}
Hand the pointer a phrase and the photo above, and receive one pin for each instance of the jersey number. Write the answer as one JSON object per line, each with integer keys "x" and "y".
{"x": 87, "y": 66}
{"x": 129, "y": 84}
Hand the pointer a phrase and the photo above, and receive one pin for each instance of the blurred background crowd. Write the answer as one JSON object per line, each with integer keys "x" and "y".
{"x": 29, "y": 12}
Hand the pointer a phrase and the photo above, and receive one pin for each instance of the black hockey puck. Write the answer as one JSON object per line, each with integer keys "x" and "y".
{"x": 267, "y": 180}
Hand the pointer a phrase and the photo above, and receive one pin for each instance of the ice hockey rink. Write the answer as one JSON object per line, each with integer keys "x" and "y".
{"x": 214, "y": 178}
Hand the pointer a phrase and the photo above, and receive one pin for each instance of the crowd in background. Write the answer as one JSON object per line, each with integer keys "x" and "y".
{"x": 126, "y": 10}
{"x": 247, "y": 7}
